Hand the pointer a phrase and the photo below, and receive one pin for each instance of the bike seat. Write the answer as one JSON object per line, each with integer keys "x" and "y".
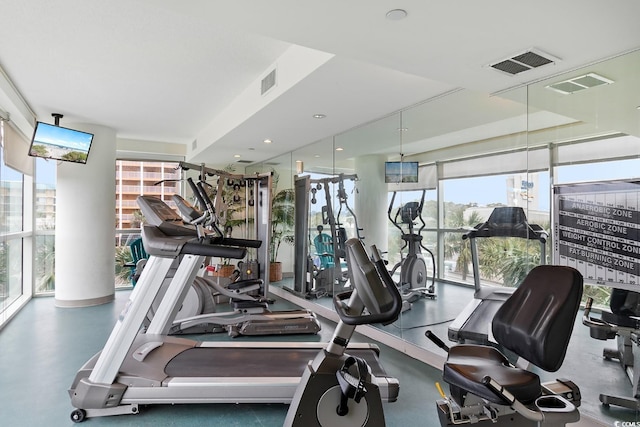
{"x": 467, "y": 365}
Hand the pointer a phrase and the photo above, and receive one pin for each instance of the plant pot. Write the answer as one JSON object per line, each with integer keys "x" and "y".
{"x": 224, "y": 270}
{"x": 275, "y": 272}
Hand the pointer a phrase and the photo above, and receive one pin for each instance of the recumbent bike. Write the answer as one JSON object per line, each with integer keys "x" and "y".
{"x": 535, "y": 323}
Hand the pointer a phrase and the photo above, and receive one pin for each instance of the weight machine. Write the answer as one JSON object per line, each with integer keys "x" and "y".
{"x": 311, "y": 280}
{"x": 229, "y": 189}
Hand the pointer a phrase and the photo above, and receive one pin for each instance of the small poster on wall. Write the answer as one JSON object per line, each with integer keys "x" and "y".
{"x": 597, "y": 231}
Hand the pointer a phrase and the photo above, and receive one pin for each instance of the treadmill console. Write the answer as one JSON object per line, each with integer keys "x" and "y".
{"x": 157, "y": 213}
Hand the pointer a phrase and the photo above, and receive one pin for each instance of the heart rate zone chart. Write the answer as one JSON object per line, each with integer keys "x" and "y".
{"x": 597, "y": 230}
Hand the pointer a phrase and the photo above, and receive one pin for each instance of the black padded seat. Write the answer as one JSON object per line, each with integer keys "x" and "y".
{"x": 468, "y": 364}
{"x": 625, "y": 309}
{"x": 622, "y": 320}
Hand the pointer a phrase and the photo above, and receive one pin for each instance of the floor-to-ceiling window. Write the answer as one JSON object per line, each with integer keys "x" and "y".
{"x": 45, "y": 226}
{"x": 11, "y": 231}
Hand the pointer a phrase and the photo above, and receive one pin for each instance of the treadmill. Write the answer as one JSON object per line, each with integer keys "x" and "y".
{"x": 251, "y": 315}
{"x": 473, "y": 324}
{"x": 142, "y": 366}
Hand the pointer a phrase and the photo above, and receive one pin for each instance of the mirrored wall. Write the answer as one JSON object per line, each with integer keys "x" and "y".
{"x": 475, "y": 152}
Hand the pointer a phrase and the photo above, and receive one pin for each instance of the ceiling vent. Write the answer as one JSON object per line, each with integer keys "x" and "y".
{"x": 245, "y": 161}
{"x": 268, "y": 82}
{"x": 524, "y": 61}
{"x": 576, "y": 84}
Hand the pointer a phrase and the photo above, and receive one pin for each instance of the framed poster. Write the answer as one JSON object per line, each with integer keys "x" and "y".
{"x": 597, "y": 231}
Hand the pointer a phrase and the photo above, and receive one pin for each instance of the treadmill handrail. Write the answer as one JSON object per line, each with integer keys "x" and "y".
{"x": 208, "y": 249}
{"x": 157, "y": 243}
{"x": 232, "y": 241}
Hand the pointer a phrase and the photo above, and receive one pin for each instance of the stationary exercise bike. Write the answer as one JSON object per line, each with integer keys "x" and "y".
{"x": 535, "y": 323}
{"x": 337, "y": 389}
{"x": 621, "y": 323}
{"x": 414, "y": 279}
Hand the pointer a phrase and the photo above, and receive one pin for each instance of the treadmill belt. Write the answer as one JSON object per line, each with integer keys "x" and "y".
{"x": 253, "y": 362}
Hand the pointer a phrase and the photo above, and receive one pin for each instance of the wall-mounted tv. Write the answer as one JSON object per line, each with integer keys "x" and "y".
{"x": 399, "y": 172}
{"x": 59, "y": 143}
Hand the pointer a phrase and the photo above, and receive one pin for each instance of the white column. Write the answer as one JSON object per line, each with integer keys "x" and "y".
{"x": 371, "y": 200}
{"x": 85, "y": 224}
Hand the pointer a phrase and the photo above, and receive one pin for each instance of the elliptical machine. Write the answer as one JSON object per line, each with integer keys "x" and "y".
{"x": 622, "y": 324}
{"x": 413, "y": 267}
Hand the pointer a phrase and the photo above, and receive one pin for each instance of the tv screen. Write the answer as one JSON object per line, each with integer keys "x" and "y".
{"x": 58, "y": 143}
{"x": 399, "y": 172}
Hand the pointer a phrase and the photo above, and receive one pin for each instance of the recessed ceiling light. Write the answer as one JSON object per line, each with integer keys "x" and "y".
{"x": 267, "y": 141}
{"x": 317, "y": 156}
{"x": 396, "y": 14}
{"x": 319, "y": 116}
{"x": 339, "y": 149}
{"x": 236, "y": 156}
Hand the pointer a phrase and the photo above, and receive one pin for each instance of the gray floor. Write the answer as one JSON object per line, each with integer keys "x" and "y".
{"x": 43, "y": 346}
{"x": 583, "y": 364}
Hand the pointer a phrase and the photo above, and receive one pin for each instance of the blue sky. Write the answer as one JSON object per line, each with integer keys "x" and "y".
{"x": 492, "y": 189}
{"x": 56, "y": 135}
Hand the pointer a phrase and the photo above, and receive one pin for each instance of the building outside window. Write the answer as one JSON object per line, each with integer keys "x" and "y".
{"x": 11, "y": 228}
{"x": 133, "y": 179}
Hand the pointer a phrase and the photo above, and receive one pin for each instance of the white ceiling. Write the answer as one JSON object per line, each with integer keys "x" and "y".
{"x": 179, "y": 72}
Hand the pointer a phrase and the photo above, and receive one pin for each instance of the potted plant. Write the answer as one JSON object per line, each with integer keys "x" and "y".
{"x": 282, "y": 222}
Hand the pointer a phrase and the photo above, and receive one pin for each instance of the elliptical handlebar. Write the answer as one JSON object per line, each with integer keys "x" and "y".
{"x": 400, "y": 212}
{"x": 196, "y": 192}
{"x": 342, "y": 199}
{"x": 393, "y": 220}
{"x": 420, "y": 213}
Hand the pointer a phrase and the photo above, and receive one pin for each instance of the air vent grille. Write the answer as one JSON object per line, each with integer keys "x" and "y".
{"x": 532, "y": 59}
{"x": 524, "y": 61}
{"x": 244, "y": 161}
{"x": 510, "y": 67}
{"x": 268, "y": 82}
{"x": 577, "y": 84}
